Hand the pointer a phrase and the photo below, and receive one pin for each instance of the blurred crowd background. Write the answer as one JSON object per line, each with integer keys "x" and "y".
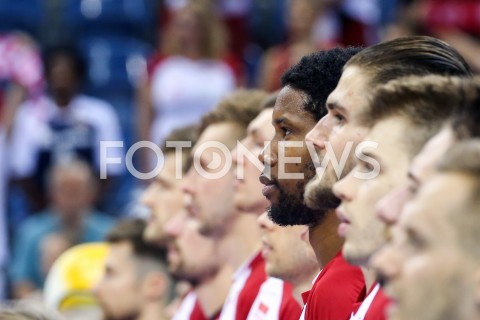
{"x": 77, "y": 72}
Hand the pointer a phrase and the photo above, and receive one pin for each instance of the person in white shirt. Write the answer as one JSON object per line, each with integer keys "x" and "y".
{"x": 62, "y": 125}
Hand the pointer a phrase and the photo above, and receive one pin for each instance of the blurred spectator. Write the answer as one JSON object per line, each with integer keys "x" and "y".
{"x": 347, "y": 22}
{"x": 3, "y": 217}
{"x": 63, "y": 125}
{"x": 277, "y": 60}
{"x": 20, "y": 77}
{"x": 20, "y": 74}
{"x": 71, "y": 188}
{"x": 234, "y": 13}
{"x": 136, "y": 284}
{"x": 51, "y": 247}
{"x": 188, "y": 77}
{"x": 454, "y": 21}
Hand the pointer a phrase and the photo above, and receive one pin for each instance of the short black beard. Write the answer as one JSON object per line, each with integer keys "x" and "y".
{"x": 292, "y": 211}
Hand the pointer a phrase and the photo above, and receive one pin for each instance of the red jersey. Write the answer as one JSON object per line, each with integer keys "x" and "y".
{"x": 190, "y": 309}
{"x": 335, "y": 291}
{"x": 374, "y": 306}
{"x": 244, "y": 290}
{"x": 275, "y": 301}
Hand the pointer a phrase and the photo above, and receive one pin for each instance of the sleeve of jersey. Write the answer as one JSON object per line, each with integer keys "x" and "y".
{"x": 334, "y": 297}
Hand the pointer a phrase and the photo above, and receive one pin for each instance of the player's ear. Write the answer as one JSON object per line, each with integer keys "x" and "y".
{"x": 155, "y": 285}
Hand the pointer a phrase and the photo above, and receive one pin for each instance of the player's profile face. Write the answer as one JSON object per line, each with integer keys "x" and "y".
{"x": 390, "y": 207}
{"x": 425, "y": 269}
{"x": 285, "y": 185}
{"x": 248, "y": 189}
{"x": 189, "y": 253}
{"x": 338, "y": 129}
{"x": 363, "y": 231}
{"x": 286, "y": 255}
{"x": 164, "y": 198}
{"x": 209, "y": 196}
{"x": 120, "y": 276}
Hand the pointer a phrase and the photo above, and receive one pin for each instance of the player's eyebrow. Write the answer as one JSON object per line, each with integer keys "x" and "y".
{"x": 280, "y": 120}
{"x": 336, "y": 106}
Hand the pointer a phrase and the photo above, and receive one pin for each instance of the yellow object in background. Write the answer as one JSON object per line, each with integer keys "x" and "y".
{"x": 72, "y": 277}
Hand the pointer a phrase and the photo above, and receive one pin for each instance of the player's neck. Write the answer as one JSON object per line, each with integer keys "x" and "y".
{"x": 153, "y": 311}
{"x": 325, "y": 241}
{"x": 302, "y": 286}
{"x": 369, "y": 276}
{"x": 242, "y": 241}
{"x": 212, "y": 293}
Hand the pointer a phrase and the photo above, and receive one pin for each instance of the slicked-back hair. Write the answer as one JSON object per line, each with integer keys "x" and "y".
{"x": 425, "y": 102}
{"x": 466, "y": 119}
{"x": 406, "y": 56}
{"x": 317, "y": 76}
{"x": 464, "y": 158}
{"x": 239, "y": 107}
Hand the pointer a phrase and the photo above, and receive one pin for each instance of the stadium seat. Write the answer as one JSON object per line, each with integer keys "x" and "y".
{"x": 22, "y": 15}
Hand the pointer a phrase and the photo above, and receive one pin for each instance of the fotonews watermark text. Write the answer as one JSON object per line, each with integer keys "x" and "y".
{"x": 213, "y": 160}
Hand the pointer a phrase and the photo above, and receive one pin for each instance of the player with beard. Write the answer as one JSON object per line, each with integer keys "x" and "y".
{"x": 163, "y": 196}
{"x": 418, "y": 55}
{"x": 300, "y": 104}
{"x": 210, "y": 199}
{"x": 189, "y": 253}
{"x": 136, "y": 284}
{"x": 378, "y": 64}
{"x": 169, "y": 226}
{"x": 190, "y": 259}
{"x": 275, "y": 300}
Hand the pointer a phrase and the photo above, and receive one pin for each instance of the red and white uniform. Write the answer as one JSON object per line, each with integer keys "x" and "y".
{"x": 275, "y": 301}
{"x": 335, "y": 291}
{"x": 247, "y": 281}
{"x": 190, "y": 309}
{"x": 374, "y": 306}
